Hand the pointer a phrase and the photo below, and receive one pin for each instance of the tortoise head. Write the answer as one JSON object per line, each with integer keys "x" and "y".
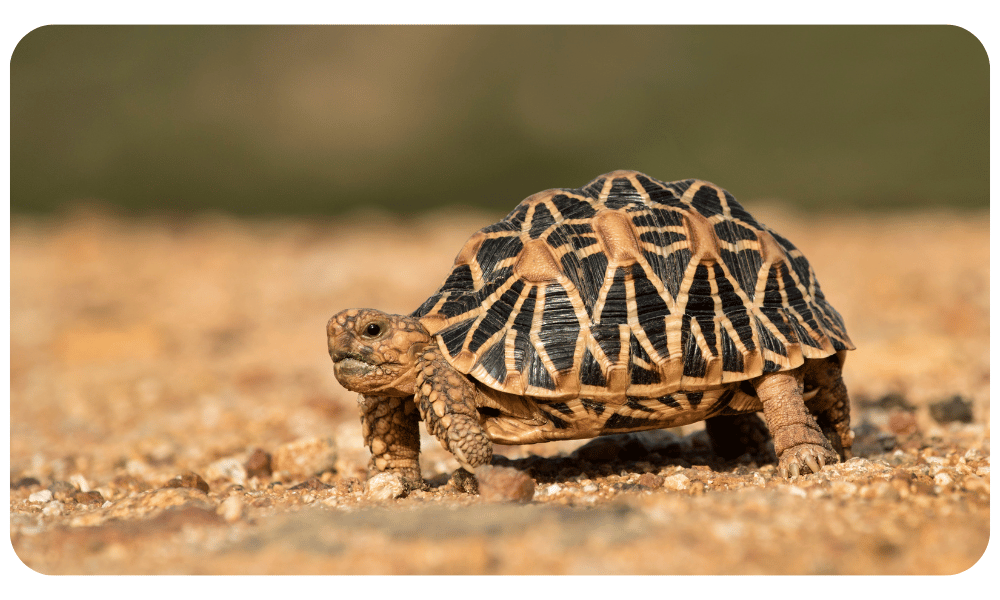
{"x": 374, "y": 352}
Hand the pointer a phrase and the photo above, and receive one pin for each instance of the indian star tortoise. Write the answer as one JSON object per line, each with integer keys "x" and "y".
{"x": 625, "y": 305}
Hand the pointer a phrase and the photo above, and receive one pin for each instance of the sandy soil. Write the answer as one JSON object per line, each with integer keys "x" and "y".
{"x": 173, "y": 410}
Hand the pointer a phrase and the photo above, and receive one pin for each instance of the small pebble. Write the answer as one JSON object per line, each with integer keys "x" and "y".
{"x": 231, "y": 509}
{"x": 504, "y": 484}
{"x": 888, "y": 401}
{"x": 189, "y": 480}
{"x": 313, "y": 483}
{"x": 677, "y": 482}
{"x": 63, "y": 490}
{"x": 953, "y": 409}
{"x": 902, "y": 422}
{"x": 131, "y": 483}
{"x": 53, "y": 508}
{"x": 80, "y": 482}
{"x": 42, "y": 496}
{"x": 385, "y": 486}
{"x": 973, "y": 455}
{"x": 305, "y": 457}
{"x": 650, "y": 480}
{"x": 900, "y": 458}
{"x": 24, "y": 482}
{"x": 91, "y": 497}
{"x": 259, "y": 464}
{"x": 942, "y": 479}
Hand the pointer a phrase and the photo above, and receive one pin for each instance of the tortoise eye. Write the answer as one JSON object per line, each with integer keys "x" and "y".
{"x": 373, "y": 329}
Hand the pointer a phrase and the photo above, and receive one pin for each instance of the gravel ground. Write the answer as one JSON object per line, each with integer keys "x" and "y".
{"x": 173, "y": 410}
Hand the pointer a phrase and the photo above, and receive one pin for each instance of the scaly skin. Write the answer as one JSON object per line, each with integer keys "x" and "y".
{"x": 447, "y": 403}
{"x": 799, "y": 441}
{"x": 391, "y": 430}
{"x": 732, "y": 435}
{"x": 832, "y": 405}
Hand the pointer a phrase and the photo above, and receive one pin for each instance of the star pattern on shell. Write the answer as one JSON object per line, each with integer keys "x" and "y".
{"x": 629, "y": 288}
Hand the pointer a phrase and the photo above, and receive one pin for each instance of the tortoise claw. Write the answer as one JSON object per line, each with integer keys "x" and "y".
{"x": 805, "y": 458}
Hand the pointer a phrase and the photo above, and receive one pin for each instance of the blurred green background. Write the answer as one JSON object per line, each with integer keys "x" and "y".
{"x": 319, "y": 120}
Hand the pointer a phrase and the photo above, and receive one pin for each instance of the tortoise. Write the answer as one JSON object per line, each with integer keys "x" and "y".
{"x": 628, "y": 304}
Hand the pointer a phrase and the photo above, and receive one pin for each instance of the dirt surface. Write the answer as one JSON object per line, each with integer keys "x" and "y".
{"x": 173, "y": 410}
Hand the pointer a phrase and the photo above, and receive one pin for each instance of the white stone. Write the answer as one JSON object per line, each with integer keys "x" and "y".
{"x": 942, "y": 479}
{"x": 973, "y": 454}
{"x": 53, "y": 508}
{"x": 677, "y": 482}
{"x": 230, "y": 468}
{"x": 80, "y": 482}
{"x": 590, "y": 487}
{"x": 231, "y": 509}
{"x": 384, "y": 486}
{"x": 42, "y": 496}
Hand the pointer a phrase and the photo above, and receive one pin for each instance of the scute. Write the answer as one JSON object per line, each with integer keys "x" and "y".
{"x": 629, "y": 288}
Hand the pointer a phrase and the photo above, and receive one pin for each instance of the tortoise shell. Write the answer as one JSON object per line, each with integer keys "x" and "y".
{"x": 630, "y": 287}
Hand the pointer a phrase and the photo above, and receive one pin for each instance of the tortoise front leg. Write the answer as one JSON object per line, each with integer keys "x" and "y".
{"x": 798, "y": 440}
{"x": 391, "y": 430}
{"x": 447, "y": 403}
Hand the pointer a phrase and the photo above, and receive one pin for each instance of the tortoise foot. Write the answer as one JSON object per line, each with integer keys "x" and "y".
{"x": 805, "y": 458}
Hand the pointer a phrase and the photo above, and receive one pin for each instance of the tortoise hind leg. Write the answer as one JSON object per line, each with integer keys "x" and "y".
{"x": 734, "y": 435}
{"x": 447, "y": 402}
{"x": 391, "y": 430}
{"x": 831, "y": 405}
{"x": 799, "y": 441}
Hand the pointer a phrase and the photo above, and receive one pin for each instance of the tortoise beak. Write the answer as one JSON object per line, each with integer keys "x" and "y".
{"x": 350, "y": 369}
{"x": 340, "y": 349}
